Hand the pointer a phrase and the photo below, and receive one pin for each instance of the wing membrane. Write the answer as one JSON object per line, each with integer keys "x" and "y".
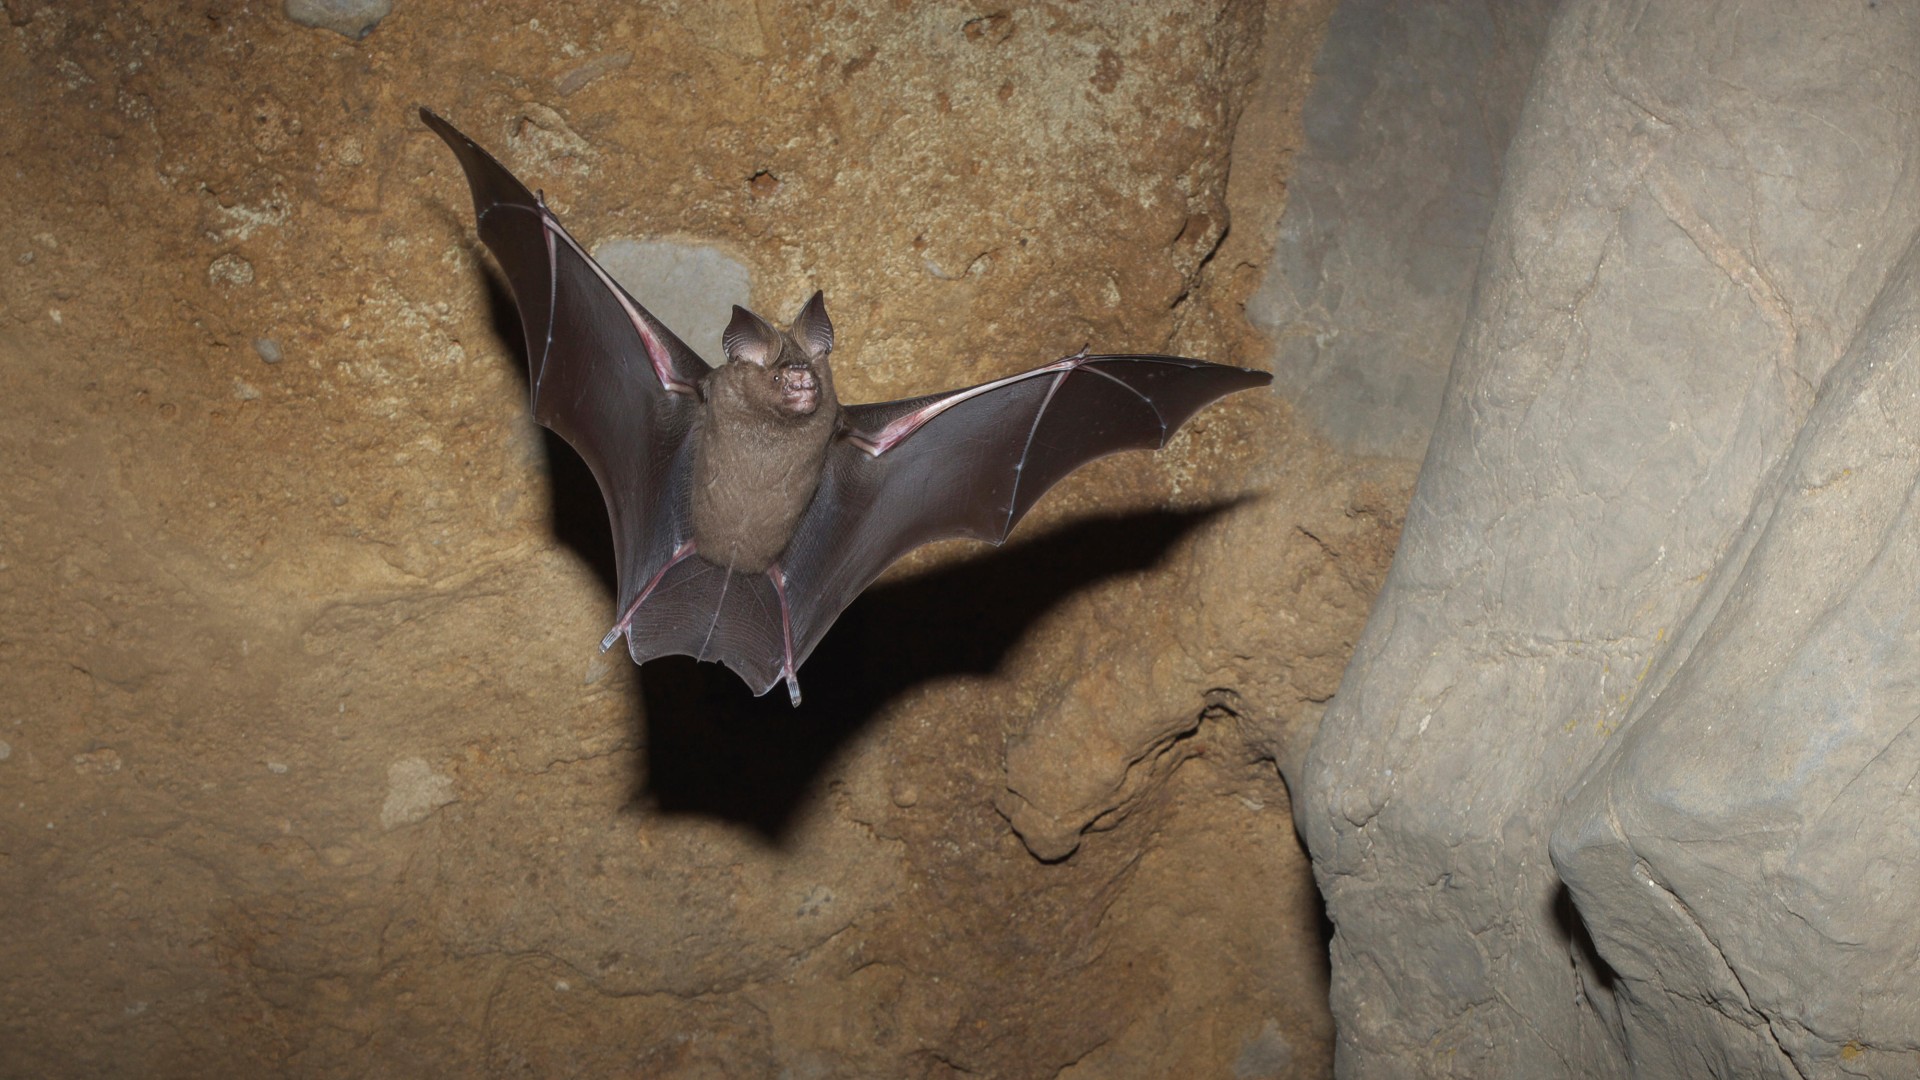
{"x": 978, "y": 461}
{"x": 605, "y": 374}
{"x": 623, "y": 391}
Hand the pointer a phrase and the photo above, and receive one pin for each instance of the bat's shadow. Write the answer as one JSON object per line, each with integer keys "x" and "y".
{"x": 714, "y": 749}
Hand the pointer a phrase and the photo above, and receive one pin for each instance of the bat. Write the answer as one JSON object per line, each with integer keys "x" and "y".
{"x": 749, "y": 506}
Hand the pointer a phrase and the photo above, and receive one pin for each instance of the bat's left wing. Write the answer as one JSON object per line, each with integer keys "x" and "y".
{"x": 604, "y": 373}
{"x": 972, "y": 463}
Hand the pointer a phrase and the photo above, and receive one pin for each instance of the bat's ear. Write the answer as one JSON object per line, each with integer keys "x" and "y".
{"x": 813, "y": 329}
{"x": 748, "y": 337}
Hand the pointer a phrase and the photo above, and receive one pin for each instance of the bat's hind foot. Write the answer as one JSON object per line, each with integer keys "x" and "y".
{"x": 779, "y": 579}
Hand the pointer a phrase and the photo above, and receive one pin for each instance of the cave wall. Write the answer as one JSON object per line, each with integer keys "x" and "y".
{"x": 308, "y": 763}
{"x": 1405, "y": 136}
{"x": 1619, "y": 780}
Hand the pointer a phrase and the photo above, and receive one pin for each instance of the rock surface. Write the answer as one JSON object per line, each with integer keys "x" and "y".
{"x": 309, "y": 764}
{"x": 1619, "y": 781}
{"x": 1412, "y": 109}
{"x": 686, "y": 285}
{"x": 348, "y": 18}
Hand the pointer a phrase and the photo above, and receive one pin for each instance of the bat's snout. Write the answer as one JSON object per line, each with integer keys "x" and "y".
{"x": 799, "y": 389}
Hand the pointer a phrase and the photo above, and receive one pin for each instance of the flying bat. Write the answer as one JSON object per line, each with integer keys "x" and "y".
{"x": 749, "y": 505}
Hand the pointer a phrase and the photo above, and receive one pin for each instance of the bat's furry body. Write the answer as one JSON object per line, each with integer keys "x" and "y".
{"x": 749, "y": 506}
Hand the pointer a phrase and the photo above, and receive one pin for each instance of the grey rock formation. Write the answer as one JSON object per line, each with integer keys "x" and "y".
{"x": 350, "y": 18}
{"x": 1411, "y": 111}
{"x": 690, "y": 287}
{"x": 1620, "y": 781}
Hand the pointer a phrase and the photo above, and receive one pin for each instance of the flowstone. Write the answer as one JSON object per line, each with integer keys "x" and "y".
{"x": 1619, "y": 782}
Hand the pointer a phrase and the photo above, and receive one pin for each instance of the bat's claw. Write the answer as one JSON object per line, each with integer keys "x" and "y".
{"x": 613, "y": 635}
{"x": 793, "y": 688}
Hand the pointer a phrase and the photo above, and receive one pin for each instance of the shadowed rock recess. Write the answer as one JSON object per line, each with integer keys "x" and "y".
{"x": 309, "y": 764}
{"x": 1621, "y": 780}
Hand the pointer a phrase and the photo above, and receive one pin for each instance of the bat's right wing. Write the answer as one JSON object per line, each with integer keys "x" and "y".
{"x": 973, "y": 462}
{"x": 606, "y": 375}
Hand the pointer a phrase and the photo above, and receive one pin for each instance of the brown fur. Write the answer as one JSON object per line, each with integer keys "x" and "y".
{"x": 757, "y": 463}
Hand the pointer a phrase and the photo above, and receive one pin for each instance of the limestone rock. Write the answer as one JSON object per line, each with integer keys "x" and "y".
{"x": 348, "y": 18}
{"x": 1617, "y": 783}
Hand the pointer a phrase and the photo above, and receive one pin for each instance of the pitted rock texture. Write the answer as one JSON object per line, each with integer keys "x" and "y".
{"x": 308, "y": 762}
